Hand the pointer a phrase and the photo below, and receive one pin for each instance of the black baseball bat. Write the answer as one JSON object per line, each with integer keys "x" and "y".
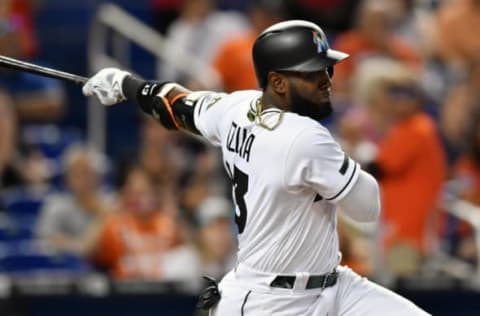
{"x": 16, "y": 64}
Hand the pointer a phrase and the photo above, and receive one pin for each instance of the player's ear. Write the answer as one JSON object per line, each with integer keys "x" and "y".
{"x": 278, "y": 82}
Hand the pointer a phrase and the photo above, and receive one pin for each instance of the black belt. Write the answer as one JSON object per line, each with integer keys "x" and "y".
{"x": 314, "y": 281}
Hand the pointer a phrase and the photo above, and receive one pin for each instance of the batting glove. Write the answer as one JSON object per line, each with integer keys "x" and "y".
{"x": 106, "y": 85}
{"x": 210, "y": 295}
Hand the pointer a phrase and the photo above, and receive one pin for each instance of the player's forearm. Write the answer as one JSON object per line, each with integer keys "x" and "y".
{"x": 166, "y": 102}
{"x": 362, "y": 203}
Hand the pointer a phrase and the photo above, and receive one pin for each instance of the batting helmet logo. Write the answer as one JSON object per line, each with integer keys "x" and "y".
{"x": 322, "y": 45}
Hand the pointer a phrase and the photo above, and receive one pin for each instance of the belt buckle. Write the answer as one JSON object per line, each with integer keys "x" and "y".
{"x": 282, "y": 281}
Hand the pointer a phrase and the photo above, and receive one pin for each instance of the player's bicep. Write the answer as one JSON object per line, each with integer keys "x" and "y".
{"x": 331, "y": 173}
{"x": 316, "y": 161}
{"x": 362, "y": 202}
{"x": 209, "y": 110}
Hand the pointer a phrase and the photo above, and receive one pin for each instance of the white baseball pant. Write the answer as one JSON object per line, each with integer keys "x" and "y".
{"x": 246, "y": 292}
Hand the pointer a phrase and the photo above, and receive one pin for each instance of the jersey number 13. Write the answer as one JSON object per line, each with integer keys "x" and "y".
{"x": 240, "y": 187}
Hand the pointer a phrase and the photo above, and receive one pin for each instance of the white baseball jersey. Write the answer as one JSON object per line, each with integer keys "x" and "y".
{"x": 286, "y": 182}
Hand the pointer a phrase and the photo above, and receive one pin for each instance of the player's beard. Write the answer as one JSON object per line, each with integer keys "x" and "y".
{"x": 305, "y": 107}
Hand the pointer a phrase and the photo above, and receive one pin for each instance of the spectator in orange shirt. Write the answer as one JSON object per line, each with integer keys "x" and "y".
{"x": 372, "y": 36}
{"x": 410, "y": 166}
{"x": 233, "y": 60}
{"x": 141, "y": 242}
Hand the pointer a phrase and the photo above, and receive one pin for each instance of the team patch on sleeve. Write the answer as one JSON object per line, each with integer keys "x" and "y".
{"x": 213, "y": 102}
{"x": 209, "y": 101}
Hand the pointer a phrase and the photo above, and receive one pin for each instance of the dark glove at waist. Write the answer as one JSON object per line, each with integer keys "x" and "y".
{"x": 210, "y": 295}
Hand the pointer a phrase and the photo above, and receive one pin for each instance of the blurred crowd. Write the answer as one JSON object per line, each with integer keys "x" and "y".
{"x": 407, "y": 107}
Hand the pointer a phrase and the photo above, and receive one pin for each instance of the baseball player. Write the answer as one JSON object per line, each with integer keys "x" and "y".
{"x": 288, "y": 176}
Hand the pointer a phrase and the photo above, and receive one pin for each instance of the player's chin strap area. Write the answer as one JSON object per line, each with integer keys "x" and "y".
{"x": 169, "y": 103}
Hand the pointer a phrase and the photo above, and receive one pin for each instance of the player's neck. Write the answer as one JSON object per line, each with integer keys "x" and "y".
{"x": 270, "y": 100}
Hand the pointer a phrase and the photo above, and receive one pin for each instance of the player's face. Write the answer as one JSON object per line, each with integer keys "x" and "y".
{"x": 309, "y": 94}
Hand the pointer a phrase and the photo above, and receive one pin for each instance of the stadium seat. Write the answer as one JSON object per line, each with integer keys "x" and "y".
{"x": 19, "y": 202}
{"x": 28, "y": 257}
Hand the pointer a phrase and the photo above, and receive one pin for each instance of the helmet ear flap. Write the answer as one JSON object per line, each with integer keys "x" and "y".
{"x": 330, "y": 72}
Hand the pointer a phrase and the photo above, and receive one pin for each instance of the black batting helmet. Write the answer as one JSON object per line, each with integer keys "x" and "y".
{"x": 294, "y": 45}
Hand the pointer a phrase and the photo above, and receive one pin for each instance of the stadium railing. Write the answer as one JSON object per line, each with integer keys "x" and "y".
{"x": 113, "y": 25}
